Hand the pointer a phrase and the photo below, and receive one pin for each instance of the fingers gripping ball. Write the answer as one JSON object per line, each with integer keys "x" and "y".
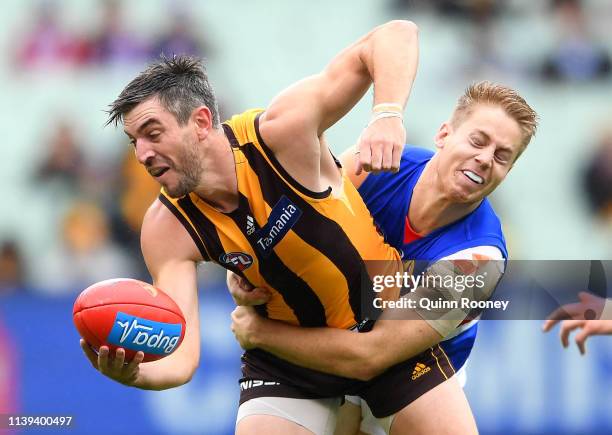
{"x": 130, "y": 314}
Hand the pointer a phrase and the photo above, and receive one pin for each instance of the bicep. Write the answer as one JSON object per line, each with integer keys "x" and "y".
{"x": 445, "y": 294}
{"x": 403, "y": 333}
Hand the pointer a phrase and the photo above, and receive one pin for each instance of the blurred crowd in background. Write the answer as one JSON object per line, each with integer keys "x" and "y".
{"x": 74, "y": 195}
{"x": 99, "y": 231}
{"x": 104, "y": 201}
{"x": 98, "y": 235}
{"x": 47, "y": 44}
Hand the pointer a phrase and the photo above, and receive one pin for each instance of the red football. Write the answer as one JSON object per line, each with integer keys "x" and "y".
{"x": 130, "y": 314}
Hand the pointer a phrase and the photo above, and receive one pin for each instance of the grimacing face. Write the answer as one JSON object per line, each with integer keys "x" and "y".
{"x": 167, "y": 150}
{"x": 476, "y": 155}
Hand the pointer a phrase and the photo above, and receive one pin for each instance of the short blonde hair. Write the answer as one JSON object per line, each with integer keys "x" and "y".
{"x": 495, "y": 94}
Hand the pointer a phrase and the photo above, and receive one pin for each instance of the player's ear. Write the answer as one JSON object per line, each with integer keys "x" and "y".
{"x": 443, "y": 132}
{"x": 202, "y": 118}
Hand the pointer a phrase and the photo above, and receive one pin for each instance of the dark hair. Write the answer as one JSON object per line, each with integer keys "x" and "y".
{"x": 180, "y": 83}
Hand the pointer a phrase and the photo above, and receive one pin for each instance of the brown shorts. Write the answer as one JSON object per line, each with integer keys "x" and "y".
{"x": 265, "y": 375}
{"x": 403, "y": 383}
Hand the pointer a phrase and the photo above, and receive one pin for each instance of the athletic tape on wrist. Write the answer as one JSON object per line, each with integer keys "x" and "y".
{"x": 382, "y": 115}
{"x": 387, "y": 107}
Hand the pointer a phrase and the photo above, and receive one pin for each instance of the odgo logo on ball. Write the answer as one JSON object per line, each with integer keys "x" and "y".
{"x": 146, "y": 335}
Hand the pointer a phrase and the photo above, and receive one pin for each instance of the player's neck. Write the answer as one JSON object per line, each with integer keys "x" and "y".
{"x": 219, "y": 184}
{"x": 430, "y": 208}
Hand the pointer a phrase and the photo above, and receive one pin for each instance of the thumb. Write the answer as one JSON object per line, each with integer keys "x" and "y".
{"x": 358, "y": 167}
{"x": 357, "y": 156}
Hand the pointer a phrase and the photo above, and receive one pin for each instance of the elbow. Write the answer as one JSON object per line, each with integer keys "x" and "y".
{"x": 189, "y": 372}
{"x": 367, "y": 364}
{"x": 178, "y": 380}
{"x": 181, "y": 375}
{"x": 369, "y": 369}
{"x": 187, "y": 376}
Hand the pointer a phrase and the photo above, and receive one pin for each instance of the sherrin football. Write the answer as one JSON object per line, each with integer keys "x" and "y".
{"x": 130, "y": 314}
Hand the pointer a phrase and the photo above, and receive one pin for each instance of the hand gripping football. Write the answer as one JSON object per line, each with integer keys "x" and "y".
{"x": 130, "y": 314}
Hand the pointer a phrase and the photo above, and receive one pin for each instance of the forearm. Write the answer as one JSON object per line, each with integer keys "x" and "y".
{"x": 391, "y": 56}
{"x": 331, "y": 350}
{"x": 175, "y": 369}
{"x": 164, "y": 374}
{"x": 346, "y": 353}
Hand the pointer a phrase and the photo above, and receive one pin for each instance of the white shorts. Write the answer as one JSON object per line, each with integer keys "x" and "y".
{"x": 369, "y": 424}
{"x": 382, "y": 426}
{"x": 317, "y": 415}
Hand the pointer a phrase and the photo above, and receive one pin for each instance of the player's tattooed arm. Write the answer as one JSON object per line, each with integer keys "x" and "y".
{"x": 332, "y": 350}
{"x": 398, "y": 335}
{"x": 337, "y": 351}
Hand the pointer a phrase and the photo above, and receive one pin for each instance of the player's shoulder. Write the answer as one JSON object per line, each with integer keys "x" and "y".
{"x": 247, "y": 116}
{"x": 485, "y": 260}
{"x": 245, "y": 125}
{"x": 163, "y": 235}
{"x": 484, "y": 218}
{"x": 413, "y": 159}
{"x": 159, "y": 222}
{"x": 416, "y": 154}
{"x": 483, "y": 252}
{"x": 383, "y": 183}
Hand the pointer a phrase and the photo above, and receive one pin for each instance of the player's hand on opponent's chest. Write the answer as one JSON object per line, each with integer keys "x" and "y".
{"x": 380, "y": 146}
{"x": 244, "y": 293}
{"x": 245, "y": 326}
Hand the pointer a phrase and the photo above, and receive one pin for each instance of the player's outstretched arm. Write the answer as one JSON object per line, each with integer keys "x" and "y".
{"x": 386, "y": 57}
{"x": 171, "y": 258}
{"x": 592, "y": 315}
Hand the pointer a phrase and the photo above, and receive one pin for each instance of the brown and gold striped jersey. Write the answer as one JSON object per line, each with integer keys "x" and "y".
{"x": 308, "y": 248}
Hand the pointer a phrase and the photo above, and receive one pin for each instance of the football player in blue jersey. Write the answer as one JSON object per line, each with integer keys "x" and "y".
{"x": 435, "y": 209}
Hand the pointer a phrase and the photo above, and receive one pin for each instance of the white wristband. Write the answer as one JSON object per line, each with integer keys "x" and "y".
{"x": 388, "y": 107}
{"x": 382, "y": 115}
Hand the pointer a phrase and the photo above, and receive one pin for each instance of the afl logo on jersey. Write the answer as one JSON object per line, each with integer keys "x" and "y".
{"x": 236, "y": 259}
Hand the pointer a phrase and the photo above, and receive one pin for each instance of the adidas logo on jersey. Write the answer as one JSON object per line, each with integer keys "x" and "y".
{"x": 419, "y": 370}
{"x": 250, "y": 228}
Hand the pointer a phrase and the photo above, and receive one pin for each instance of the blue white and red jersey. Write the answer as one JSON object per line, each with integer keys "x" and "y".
{"x": 478, "y": 234}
